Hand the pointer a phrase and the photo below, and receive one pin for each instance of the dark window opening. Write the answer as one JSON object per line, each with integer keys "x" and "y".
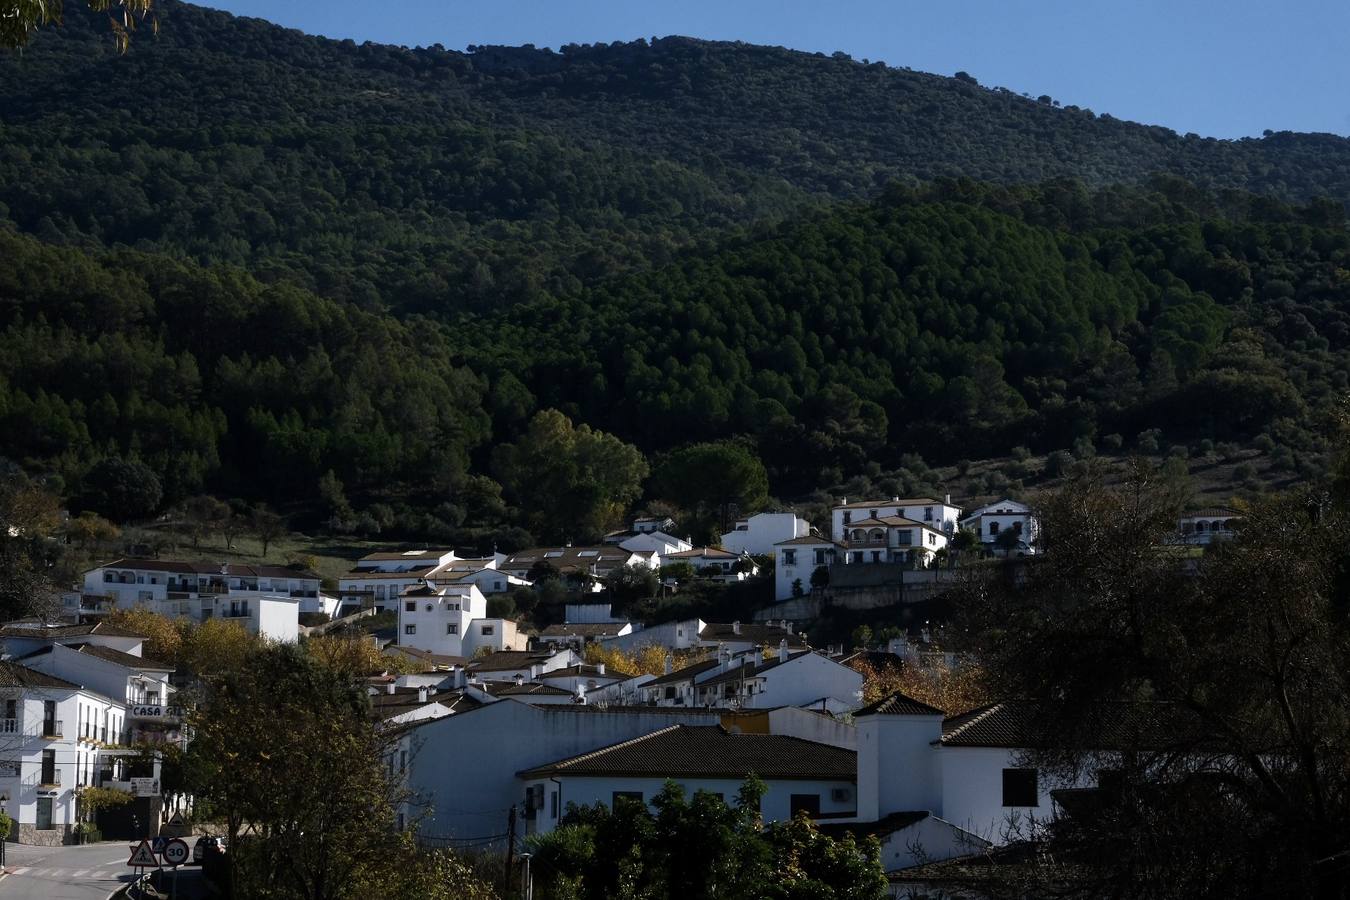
{"x": 1020, "y": 788}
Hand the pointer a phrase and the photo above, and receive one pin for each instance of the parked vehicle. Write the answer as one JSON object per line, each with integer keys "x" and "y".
{"x": 207, "y": 844}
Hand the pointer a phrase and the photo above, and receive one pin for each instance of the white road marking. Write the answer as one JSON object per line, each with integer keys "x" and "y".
{"x": 79, "y": 873}
{"x": 20, "y": 871}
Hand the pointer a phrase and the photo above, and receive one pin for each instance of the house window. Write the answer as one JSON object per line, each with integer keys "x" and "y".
{"x": 904, "y": 537}
{"x": 848, "y": 517}
{"x": 871, "y": 513}
{"x": 553, "y": 804}
{"x": 625, "y": 797}
{"x": 789, "y": 557}
{"x": 820, "y": 557}
{"x": 498, "y": 586}
{"x": 488, "y": 630}
{"x": 452, "y": 628}
{"x": 808, "y": 803}
{"x": 993, "y": 528}
{"x": 1019, "y": 788}
{"x": 670, "y": 692}
{"x": 1017, "y": 527}
{"x": 410, "y": 606}
{"x": 932, "y": 539}
{"x": 928, "y": 513}
{"x": 410, "y": 629}
{"x": 876, "y": 556}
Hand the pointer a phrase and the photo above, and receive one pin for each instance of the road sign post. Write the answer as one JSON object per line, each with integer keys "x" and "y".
{"x": 142, "y": 857}
{"x": 176, "y": 853}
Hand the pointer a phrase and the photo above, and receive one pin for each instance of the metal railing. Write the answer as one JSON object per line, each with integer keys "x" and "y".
{"x": 50, "y": 777}
{"x": 52, "y": 728}
{"x": 9, "y": 726}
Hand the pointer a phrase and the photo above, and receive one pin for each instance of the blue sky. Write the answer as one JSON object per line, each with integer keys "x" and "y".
{"x": 1225, "y": 68}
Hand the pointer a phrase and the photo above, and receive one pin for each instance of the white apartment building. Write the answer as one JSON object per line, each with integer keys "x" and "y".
{"x": 892, "y": 539}
{"x": 49, "y": 751}
{"x": 759, "y": 534}
{"x": 265, "y": 599}
{"x": 378, "y": 579}
{"x": 939, "y": 515}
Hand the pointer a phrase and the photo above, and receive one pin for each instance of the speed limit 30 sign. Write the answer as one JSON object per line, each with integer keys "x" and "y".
{"x": 176, "y": 852}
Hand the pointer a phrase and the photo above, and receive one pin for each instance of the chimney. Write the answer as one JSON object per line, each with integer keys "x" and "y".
{"x": 457, "y": 674}
{"x": 520, "y": 679}
{"x": 224, "y": 568}
{"x": 787, "y": 626}
{"x": 947, "y": 499}
{"x": 581, "y": 695}
{"x": 783, "y": 650}
{"x": 599, "y": 668}
{"x": 389, "y": 688}
{"x": 422, "y": 694}
{"x": 667, "y": 666}
{"x": 736, "y": 627}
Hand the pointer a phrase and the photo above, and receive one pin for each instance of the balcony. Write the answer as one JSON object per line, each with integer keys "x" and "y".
{"x": 52, "y": 728}
{"x": 49, "y": 778}
{"x": 9, "y": 726}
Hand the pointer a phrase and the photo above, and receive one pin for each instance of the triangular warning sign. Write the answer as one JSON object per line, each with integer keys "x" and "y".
{"x": 143, "y": 857}
{"x": 177, "y": 819}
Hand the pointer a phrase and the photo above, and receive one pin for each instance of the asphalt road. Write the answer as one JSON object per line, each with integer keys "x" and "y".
{"x": 91, "y": 872}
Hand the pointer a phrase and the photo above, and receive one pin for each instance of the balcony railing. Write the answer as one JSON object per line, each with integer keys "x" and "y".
{"x": 9, "y": 726}
{"x": 52, "y": 728}
{"x": 50, "y": 778}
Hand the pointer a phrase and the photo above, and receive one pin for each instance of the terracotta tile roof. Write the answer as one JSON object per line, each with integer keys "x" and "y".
{"x": 507, "y": 660}
{"x": 107, "y": 653}
{"x": 435, "y": 660}
{"x": 529, "y": 688}
{"x": 882, "y": 827}
{"x": 398, "y": 555}
{"x": 14, "y": 675}
{"x": 753, "y": 632}
{"x": 586, "y": 670}
{"x": 750, "y": 669}
{"x": 898, "y": 704}
{"x": 877, "y": 504}
{"x": 808, "y": 539}
{"x": 1212, "y": 512}
{"x": 183, "y": 567}
{"x": 583, "y": 629}
{"x": 415, "y": 572}
{"x": 57, "y": 631}
{"x": 703, "y": 553}
{"x": 688, "y": 673}
{"x": 1024, "y": 724}
{"x": 709, "y": 751}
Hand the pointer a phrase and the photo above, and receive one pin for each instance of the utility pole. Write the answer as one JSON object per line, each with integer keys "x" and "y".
{"x": 510, "y": 846}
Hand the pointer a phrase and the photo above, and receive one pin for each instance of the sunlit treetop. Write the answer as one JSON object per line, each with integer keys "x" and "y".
{"x": 19, "y": 18}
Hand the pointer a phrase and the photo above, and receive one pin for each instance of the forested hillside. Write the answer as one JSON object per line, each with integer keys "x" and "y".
{"x": 271, "y": 266}
{"x": 440, "y": 181}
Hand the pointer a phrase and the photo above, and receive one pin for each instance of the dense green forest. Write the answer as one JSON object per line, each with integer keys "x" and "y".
{"x": 439, "y": 181}
{"x": 277, "y": 267}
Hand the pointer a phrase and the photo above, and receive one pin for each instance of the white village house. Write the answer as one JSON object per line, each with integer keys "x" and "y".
{"x": 991, "y": 521}
{"x": 939, "y": 515}
{"x": 757, "y": 535}
{"x": 267, "y": 600}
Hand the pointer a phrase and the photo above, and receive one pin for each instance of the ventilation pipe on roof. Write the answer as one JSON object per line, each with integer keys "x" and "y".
{"x": 947, "y": 499}
{"x": 457, "y": 678}
{"x": 581, "y": 695}
{"x": 783, "y": 650}
{"x": 736, "y": 627}
{"x": 667, "y": 665}
{"x": 422, "y": 694}
{"x": 520, "y": 679}
{"x": 787, "y": 626}
{"x": 389, "y": 688}
{"x": 599, "y": 668}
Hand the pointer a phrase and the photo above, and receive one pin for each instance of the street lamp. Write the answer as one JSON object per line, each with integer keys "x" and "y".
{"x": 529, "y": 883}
